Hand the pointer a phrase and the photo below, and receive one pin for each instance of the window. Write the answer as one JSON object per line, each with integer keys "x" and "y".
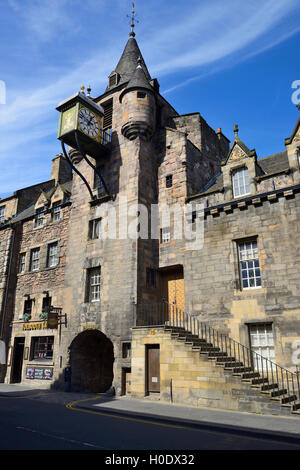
{"x": 262, "y": 343}
{"x": 52, "y": 255}
{"x": 108, "y": 112}
{"x": 113, "y": 79}
{"x": 39, "y": 218}
{"x": 42, "y": 347}
{"x": 94, "y": 278}
{"x": 169, "y": 181}
{"x": 126, "y": 350}
{"x": 141, "y": 95}
{"x": 56, "y": 211}
{"x": 95, "y": 229}
{"x": 34, "y": 259}
{"x": 46, "y": 303}
{"x": 241, "y": 184}
{"x": 165, "y": 235}
{"x": 27, "y": 307}
{"x": 249, "y": 265}
{"x": 22, "y": 260}
{"x": 150, "y": 277}
{"x": 2, "y": 213}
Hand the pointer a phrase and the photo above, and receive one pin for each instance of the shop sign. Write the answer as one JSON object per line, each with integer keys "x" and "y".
{"x": 40, "y": 373}
{"x": 35, "y": 326}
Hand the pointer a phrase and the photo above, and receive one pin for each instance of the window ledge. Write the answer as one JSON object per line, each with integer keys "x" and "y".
{"x": 253, "y": 290}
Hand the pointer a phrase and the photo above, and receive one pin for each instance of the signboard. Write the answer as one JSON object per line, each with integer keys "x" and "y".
{"x": 40, "y": 373}
{"x": 52, "y": 320}
{"x": 35, "y": 326}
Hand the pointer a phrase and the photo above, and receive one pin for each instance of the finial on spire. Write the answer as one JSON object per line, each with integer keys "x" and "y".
{"x": 89, "y": 90}
{"x": 139, "y": 61}
{"x": 133, "y": 21}
{"x": 82, "y": 88}
{"x": 236, "y": 130}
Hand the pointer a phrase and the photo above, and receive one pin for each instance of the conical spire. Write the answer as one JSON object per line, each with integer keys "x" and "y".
{"x": 127, "y": 64}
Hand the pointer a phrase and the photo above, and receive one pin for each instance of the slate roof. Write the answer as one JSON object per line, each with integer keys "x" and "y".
{"x": 274, "y": 163}
{"x": 128, "y": 63}
{"x": 271, "y": 165}
{"x": 29, "y": 211}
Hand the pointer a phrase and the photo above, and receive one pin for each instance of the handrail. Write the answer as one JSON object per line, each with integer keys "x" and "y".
{"x": 273, "y": 378}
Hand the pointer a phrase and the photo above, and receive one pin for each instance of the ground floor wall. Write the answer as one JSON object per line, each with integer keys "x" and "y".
{"x": 79, "y": 360}
{"x": 183, "y": 376}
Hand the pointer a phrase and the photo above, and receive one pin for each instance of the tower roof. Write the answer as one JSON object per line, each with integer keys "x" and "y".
{"x": 127, "y": 64}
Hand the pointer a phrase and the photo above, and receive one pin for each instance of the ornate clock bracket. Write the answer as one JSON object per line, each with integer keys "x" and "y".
{"x": 83, "y": 154}
{"x": 75, "y": 169}
{"x": 97, "y": 170}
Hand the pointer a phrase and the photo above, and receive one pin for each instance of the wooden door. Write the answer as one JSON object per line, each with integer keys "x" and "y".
{"x": 153, "y": 368}
{"x": 172, "y": 288}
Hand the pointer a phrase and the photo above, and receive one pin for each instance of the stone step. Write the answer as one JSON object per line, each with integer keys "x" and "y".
{"x": 229, "y": 365}
{"x": 226, "y": 359}
{"x": 236, "y": 368}
{"x": 268, "y": 387}
{"x": 241, "y": 370}
{"x": 289, "y": 399}
{"x": 259, "y": 381}
{"x": 277, "y": 393}
{"x": 217, "y": 354}
{"x": 250, "y": 375}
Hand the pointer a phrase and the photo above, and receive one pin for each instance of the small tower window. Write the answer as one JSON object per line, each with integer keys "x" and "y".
{"x": 169, "y": 181}
{"x": 108, "y": 112}
{"x": 141, "y": 95}
{"x": 113, "y": 79}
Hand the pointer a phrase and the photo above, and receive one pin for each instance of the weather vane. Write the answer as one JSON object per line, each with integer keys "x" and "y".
{"x": 133, "y": 20}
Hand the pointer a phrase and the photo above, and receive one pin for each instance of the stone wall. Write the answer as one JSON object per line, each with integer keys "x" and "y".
{"x": 188, "y": 378}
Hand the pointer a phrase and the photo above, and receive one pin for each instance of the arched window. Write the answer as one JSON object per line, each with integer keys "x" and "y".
{"x": 240, "y": 182}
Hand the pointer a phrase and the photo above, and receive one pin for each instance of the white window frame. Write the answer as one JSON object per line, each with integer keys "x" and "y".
{"x": 39, "y": 217}
{"x": 249, "y": 265}
{"x": 240, "y": 182}
{"x": 165, "y": 235}
{"x": 52, "y": 255}
{"x": 22, "y": 262}
{"x": 2, "y": 214}
{"x": 95, "y": 229}
{"x": 34, "y": 259}
{"x": 56, "y": 211}
{"x": 262, "y": 342}
{"x": 94, "y": 284}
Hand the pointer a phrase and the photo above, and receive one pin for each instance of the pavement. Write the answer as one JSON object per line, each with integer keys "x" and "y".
{"x": 154, "y": 410}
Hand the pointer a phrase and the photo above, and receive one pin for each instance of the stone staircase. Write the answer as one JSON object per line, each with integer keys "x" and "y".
{"x": 282, "y": 396}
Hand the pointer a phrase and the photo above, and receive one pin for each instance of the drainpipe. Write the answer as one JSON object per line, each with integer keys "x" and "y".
{"x": 4, "y": 304}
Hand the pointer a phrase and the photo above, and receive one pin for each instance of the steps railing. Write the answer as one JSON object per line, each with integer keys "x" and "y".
{"x": 272, "y": 378}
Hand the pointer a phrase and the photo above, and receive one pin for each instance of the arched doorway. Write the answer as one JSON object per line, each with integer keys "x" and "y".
{"x": 91, "y": 361}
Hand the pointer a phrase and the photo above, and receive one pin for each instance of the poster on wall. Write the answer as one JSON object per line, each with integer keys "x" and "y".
{"x": 39, "y": 373}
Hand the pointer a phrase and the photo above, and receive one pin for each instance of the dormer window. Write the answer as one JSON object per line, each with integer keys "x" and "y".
{"x": 240, "y": 182}
{"x": 2, "y": 214}
{"x": 113, "y": 79}
{"x": 39, "y": 218}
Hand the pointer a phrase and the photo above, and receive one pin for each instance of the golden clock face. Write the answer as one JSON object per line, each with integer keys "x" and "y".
{"x": 88, "y": 123}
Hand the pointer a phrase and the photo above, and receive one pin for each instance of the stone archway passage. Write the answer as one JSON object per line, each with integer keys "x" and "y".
{"x": 91, "y": 360}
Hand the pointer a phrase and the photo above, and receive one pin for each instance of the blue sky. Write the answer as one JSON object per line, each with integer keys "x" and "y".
{"x": 234, "y": 62}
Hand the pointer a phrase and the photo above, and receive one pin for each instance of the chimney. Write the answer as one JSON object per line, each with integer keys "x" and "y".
{"x": 61, "y": 171}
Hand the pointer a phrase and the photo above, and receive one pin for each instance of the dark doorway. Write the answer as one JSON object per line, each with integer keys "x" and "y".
{"x": 153, "y": 368}
{"x": 126, "y": 381}
{"x": 18, "y": 360}
{"x": 91, "y": 360}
